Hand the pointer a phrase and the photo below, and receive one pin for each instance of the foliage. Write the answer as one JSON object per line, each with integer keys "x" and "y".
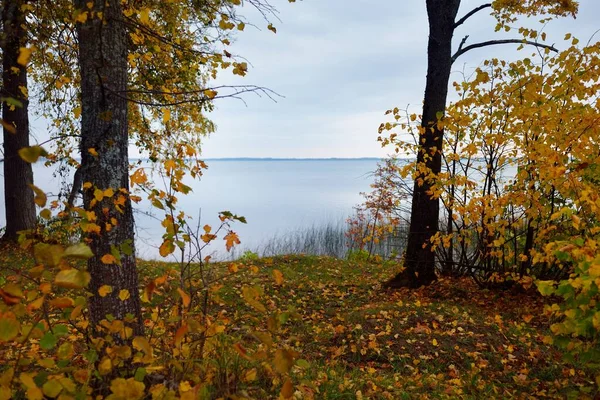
{"x": 311, "y": 327}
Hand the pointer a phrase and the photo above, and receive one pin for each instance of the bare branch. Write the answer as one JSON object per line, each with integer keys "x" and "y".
{"x": 462, "y": 43}
{"x": 197, "y": 96}
{"x": 470, "y": 14}
{"x": 462, "y": 51}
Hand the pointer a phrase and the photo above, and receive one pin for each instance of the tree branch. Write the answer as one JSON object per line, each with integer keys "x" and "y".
{"x": 462, "y": 51}
{"x": 470, "y": 14}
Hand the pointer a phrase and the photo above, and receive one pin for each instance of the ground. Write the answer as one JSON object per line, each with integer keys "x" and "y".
{"x": 450, "y": 339}
{"x": 300, "y": 327}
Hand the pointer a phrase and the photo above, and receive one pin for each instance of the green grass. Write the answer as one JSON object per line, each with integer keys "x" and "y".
{"x": 445, "y": 341}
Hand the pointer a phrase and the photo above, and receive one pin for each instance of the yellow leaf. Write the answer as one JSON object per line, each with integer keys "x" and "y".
{"x": 81, "y": 17}
{"x": 98, "y": 194}
{"x": 40, "y": 197}
{"x": 72, "y": 278}
{"x": 283, "y": 361}
{"x": 109, "y": 193}
{"x": 24, "y": 55}
{"x": 145, "y": 15}
{"x": 105, "y": 366}
{"x": 108, "y": 259}
{"x": 62, "y": 302}
{"x": 93, "y": 152}
{"x": 104, "y": 290}
{"x": 278, "y": 276}
{"x": 142, "y": 344}
{"x": 250, "y": 375}
{"x": 166, "y": 115}
{"x": 27, "y": 380}
{"x": 87, "y": 185}
{"x": 79, "y": 251}
{"x": 434, "y": 342}
{"x": 211, "y": 94}
{"x": 32, "y": 153}
{"x": 166, "y": 248}
{"x": 272, "y": 28}
{"x": 124, "y": 294}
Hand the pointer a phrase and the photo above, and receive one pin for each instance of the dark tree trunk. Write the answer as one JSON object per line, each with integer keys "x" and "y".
{"x": 104, "y": 127}
{"x": 18, "y": 174}
{"x": 419, "y": 259}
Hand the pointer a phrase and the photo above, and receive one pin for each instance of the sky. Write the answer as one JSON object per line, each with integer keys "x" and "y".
{"x": 339, "y": 65}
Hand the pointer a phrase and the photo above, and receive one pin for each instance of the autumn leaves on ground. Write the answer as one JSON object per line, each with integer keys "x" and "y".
{"x": 291, "y": 326}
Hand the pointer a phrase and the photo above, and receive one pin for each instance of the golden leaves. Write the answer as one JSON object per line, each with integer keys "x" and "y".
{"x": 104, "y": 290}
{"x": 108, "y": 259}
{"x": 72, "y": 278}
{"x": 24, "y": 55}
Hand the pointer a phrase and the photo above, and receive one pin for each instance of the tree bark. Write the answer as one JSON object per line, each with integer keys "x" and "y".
{"x": 104, "y": 127}
{"x": 419, "y": 259}
{"x": 18, "y": 174}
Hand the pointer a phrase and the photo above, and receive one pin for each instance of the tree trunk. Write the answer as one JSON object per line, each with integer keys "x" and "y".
{"x": 18, "y": 174}
{"x": 104, "y": 128}
{"x": 419, "y": 259}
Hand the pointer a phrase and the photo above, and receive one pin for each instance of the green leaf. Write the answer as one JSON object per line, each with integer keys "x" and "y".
{"x": 11, "y": 101}
{"x": 52, "y": 388}
{"x": 79, "y": 251}
{"x": 48, "y": 341}
{"x": 546, "y": 288}
{"x": 32, "y": 153}
{"x": 46, "y": 214}
{"x": 126, "y": 248}
{"x": 158, "y": 204}
{"x": 9, "y": 328}
{"x": 140, "y": 374}
{"x": 60, "y": 330}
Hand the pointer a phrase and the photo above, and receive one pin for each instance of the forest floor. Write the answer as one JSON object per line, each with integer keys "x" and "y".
{"x": 312, "y": 327}
{"x": 355, "y": 340}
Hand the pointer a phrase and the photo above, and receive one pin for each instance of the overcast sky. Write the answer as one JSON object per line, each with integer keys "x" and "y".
{"x": 340, "y": 64}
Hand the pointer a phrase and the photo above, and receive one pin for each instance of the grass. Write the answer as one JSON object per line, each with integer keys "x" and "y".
{"x": 328, "y": 239}
{"x": 445, "y": 341}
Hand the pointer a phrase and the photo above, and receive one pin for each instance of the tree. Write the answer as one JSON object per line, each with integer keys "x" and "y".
{"x": 105, "y": 163}
{"x": 18, "y": 174}
{"x": 419, "y": 258}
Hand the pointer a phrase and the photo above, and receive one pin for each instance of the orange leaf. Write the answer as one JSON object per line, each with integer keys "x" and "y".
{"x": 231, "y": 239}
{"x": 278, "y": 276}
{"x": 181, "y": 332}
{"x": 287, "y": 390}
{"x": 185, "y": 298}
{"x": 108, "y": 259}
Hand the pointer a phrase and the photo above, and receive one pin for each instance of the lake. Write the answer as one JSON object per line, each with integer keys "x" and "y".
{"x": 276, "y": 197}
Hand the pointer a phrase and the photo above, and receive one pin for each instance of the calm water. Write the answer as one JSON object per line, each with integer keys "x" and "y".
{"x": 275, "y": 196}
